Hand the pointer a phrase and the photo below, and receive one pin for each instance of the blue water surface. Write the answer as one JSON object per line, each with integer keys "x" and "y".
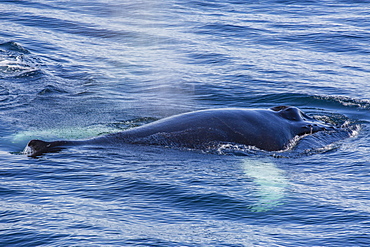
{"x": 80, "y": 69}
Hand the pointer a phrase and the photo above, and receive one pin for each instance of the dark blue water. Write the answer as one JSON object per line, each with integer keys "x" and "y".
{"x": 79, "y": 69}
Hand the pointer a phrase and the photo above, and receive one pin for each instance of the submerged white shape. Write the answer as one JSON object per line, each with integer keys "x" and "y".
{"x": 270, "y": 180}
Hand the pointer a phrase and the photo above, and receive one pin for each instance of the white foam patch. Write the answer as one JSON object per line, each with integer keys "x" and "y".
{"x": 10, "y": 65}
{"x": 270, "y": 180}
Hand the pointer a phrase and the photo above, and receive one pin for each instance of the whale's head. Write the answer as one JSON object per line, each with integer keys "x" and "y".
{"x": 303, "y": 123}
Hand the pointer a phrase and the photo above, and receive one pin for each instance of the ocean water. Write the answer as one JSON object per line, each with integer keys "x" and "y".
{"x": 80, "y": 69}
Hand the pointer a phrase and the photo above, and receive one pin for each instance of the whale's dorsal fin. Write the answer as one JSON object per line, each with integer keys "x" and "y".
{"x": 36, "y": 148}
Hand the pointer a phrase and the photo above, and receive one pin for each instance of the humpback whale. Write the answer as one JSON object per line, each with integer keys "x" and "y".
{"x": 267, "y": 129}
